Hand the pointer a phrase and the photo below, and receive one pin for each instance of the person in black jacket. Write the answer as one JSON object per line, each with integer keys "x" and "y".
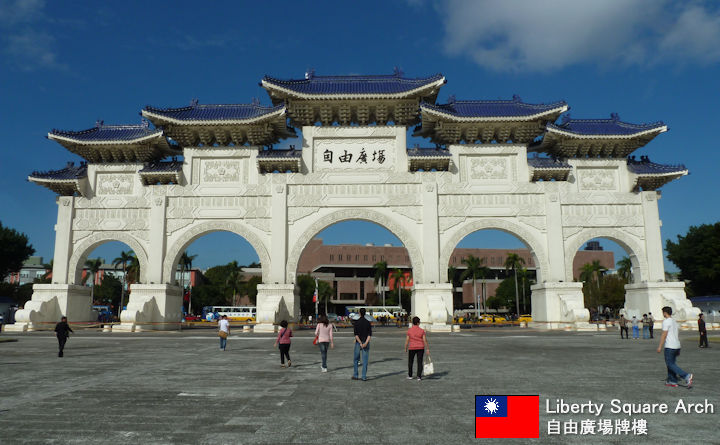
{"x": 62, "y": 330}
{"x": 363, "y": 333}
{"x": 703, "y": 332}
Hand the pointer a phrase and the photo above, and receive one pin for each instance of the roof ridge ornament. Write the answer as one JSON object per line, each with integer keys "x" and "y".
{"x": 144, "y": 123}
{"x": 310, "y": 73}
{"x": 255, "y": 101}
{"x": 99, "y": 123}
{"x": 565, "y": 119}
{"x": 397, "y": 72}
{"x": 614, "y": 117}
{"x": 516, "y": 98}
{"x": 194, "y": 102}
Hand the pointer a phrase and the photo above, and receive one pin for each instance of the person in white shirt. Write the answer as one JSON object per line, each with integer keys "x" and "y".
{"x": 223, "y": 331}
{"x": 671, "y": 342}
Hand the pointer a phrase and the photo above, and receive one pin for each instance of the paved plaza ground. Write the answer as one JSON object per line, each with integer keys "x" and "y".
{"x": 178, "y": 387}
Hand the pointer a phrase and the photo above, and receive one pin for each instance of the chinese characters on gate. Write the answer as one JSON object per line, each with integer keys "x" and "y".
{"x": 378, "y": 156}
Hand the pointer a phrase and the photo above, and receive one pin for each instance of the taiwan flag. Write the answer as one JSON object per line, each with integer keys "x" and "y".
{"x": 507, "y": 416}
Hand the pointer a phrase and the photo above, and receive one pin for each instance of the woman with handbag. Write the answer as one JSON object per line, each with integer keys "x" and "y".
{"x": 223, "y": 331}
{"x": 415, "y": 345}
{"x": 324, "y": 338}
{"x": 283, "y": 340}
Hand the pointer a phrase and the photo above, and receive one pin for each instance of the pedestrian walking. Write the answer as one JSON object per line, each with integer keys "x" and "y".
{"x": 670, "y": 341}
{"x": 636, "y": 328}
{"x": 646, "y": 326}
{"x": 703, "y": 332}
{"x": 283, "y": 341}
{"x": 324, "y": 336}
{"x": 223, "y": 331}
{"x": 652, "y": 324}
{"x": 624, "y": 327}
{"x": 62, "y": 331}
{"x": 415, "y": 345}
{"x": 363, "y": 334}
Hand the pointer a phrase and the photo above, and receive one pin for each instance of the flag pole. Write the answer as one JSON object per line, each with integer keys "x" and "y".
{"x": 316, "y": 298}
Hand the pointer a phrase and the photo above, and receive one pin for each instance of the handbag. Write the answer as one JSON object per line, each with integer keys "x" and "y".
{"x": 315, "y": 340}
{"x": 428, "y": 367}
{"x": 222, "y": 334}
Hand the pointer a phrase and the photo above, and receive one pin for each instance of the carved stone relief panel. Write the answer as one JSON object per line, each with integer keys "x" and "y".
{"x": 597, "y": 179}
{"x": 354, "y": 154}
{"x": 489, "y": 168}
{"x": 220, "y": 171}
{"x": 602, "y": 215}
{"x": 108, "y": 184}
{"x": 371, "y": 195}
{"x": 111, "y": 219}
{"x": 491, "y": 205}
{"x": 185, "y": 207}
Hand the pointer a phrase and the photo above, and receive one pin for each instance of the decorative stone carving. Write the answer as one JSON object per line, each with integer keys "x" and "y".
{"x": 296, "y": 213}
{"x": 484, "y": 168}
{"x": 220, "y": 171}
{"x": 607, "y": 215}
{"x": 115, "y": 184}
{"x": 260, "y": 224}
{"x": 110, "y": 219}
{"x": 593, "y": 179}
{"x": 414, "y": 213}
{"x": 389, "y": 223}
{"x": 174, "y": 225}
{"x": 447, "y": 223}
{"x": 203, "y": 227}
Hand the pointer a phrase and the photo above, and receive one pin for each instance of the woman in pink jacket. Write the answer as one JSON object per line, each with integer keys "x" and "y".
{"x": 283, "y": 340}
{"x": 415, "y": 345}
{"x": 324, "y": 334}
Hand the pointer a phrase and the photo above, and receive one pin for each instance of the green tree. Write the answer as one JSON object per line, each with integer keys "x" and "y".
{"x": 123, "y": 260}
{"x": 381, "y": 273}
{"x": 109, "y": 290}
{"x": 306, "y": 289}
{"x": 475, "y": 270}
{"x": 514, "y": 262}
{"x": 697, "y": 255}
{"x": 235, "y": 281}
{"x": 400, "y": 282}
{"x": 251, "y": 288}
{"x": 93, "y": 266}
{"x": 15, "y": 250}
{"x": 591, "y": 276}
{"x": 185, "y": 265}
{"x": 624, "y": 268}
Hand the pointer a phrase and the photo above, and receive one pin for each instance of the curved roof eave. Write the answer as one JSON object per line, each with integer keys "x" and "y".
{"x": 559, "y": 131}
{"x": 71, "y": 140}
{"x": 409, "y": 93}
{"x": 558, "y": 110}
{"x": 160, "y": 117}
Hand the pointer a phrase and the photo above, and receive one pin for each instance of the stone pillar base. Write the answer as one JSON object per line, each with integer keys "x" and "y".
{"x": 276, "y": 302}
{"x": 559, "y": 306}
{"x": 50, "y": 302}
{"x": 152, "y": 307}
{"x": 644, "y": 298}
{"x": 433, "y": 304}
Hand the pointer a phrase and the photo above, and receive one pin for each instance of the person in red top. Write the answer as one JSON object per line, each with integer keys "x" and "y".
{"x": 415, "y": 345}
{"x": 284, "y": 341}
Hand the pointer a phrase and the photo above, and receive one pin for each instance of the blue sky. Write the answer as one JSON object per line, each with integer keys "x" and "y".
{"x": 67, "y": 64}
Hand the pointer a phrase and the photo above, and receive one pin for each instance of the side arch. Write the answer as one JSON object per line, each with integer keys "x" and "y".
{"x": 203, "y": 228}
{"x": 373, "y": 216}
{"x": 633, "y": 245}
{"x": 535, "y": 245}
{"x": 87, "y": 245}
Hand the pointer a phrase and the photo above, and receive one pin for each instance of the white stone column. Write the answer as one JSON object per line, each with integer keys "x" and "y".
{"x": 555, "y": 240}
{"x": 559, "y": 306}
{"x": 430, "y": 234}
{"x": 653, "y": 239}
{"x": 276, "y": 302}
{"x": 278, "y": 234}
{"x": 433, "y": 304}
{"x": 158, "y": 243}
{"x": 63, "y": 241}
{"x": 152, "y": 307}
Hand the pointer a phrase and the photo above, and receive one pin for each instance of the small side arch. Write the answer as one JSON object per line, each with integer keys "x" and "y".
{"x": 535, "y": 245}
{"x": 632, "y": 245}
{"x": 203, "y": 228}
{"x": 87, "y": 245}
{"x": 373, "y": 216}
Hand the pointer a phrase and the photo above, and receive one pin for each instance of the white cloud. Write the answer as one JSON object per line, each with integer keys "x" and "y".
{"x": 510, "y": 35}
{"x": 22, "y": 43}
{"x": 20, "y": 11}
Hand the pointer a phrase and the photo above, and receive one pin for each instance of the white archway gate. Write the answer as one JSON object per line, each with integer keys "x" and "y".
{"x": 355, "y": 165}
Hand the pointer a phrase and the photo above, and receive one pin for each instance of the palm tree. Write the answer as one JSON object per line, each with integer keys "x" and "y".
{"x": 93, "y": 267}
{"x": 122, "y": 260}
{"x": 400, "y": 281}
{"x": 186, "y": 264}
{"x": 235, "y": 282}
{"x": 514, "y": 262}
{"x": 380, "y": 274}
{"x": 452, "y": 271}
{"x": 133, "y": 270}
{"x": 624, "y": 268}
{"x": 476, "y": 270}
{"x": 591, "y": 273}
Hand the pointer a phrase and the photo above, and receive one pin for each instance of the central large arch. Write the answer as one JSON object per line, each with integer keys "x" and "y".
{"x": 533, "y": 243}
{"x": 373, "y": 216}
{"x": 203, "y": 228}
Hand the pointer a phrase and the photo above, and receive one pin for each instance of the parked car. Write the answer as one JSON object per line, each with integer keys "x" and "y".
{"x": 193, "y": 318}
{"x": 525, "y": 318}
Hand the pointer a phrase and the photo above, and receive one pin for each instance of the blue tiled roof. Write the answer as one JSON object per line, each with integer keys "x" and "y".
{"x": 428, "y": 152}
{"x": 547, "y": 163}
{"x": 162, "y": 167}
{"x": 232, "y": 112}
{"x": 279, "y": 154}
{"x": 103, "y": 133}
{"x": 68, "y": 173}
{"x": 492, "y": 108}
{"x": 646, "y": 167}
{"x": 603, "y": 127}
{"x": 350, "y": 85}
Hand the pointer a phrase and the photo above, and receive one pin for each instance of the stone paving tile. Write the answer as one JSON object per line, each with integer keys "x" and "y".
{"x": 158, "y": 388}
